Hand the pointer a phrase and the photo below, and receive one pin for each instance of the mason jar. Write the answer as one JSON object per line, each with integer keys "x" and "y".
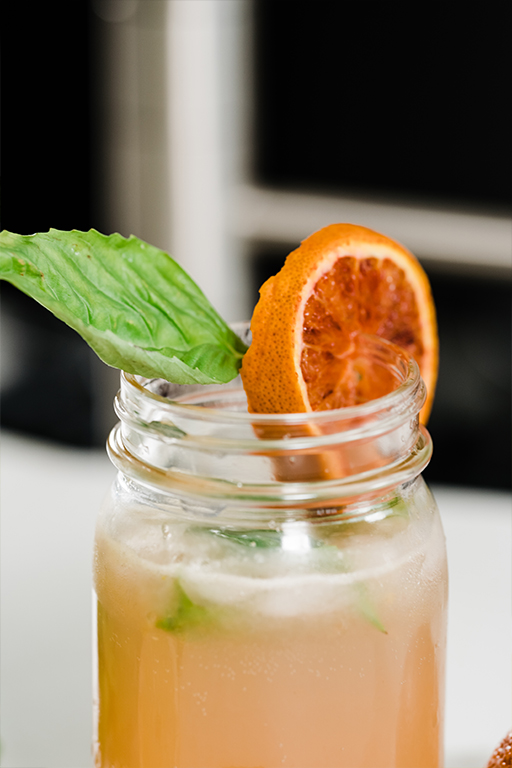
{"x": 271, "y": 589}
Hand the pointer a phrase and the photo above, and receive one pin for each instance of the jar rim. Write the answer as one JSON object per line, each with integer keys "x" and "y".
{"x": 410, "y": 394}
{"x": 205, "y": 443}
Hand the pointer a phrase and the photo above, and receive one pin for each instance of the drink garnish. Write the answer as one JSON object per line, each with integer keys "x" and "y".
{"x": 342, "y": 281}
{"x": 134, "y": 305}
{"x": 141, "y": 312}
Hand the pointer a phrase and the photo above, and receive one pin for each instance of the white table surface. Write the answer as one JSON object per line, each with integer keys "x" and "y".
{"x": 49, "y": 498}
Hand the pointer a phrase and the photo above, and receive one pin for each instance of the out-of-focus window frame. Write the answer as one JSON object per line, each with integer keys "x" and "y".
{"x": 202, "y": 199}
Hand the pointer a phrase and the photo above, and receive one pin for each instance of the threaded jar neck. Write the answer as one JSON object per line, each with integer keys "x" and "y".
{"x": 201, "y": 443}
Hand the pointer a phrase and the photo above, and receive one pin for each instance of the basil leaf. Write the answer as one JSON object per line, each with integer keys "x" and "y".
{"x": 130, "y": 301}
{"x": 367, "y": 608}
{"x": 186, "y": 614}
{"x": 262, "y": 539}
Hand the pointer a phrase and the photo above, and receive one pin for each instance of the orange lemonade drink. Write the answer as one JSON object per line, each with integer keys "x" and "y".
{"x": 248, "y": 666}
{"x": 252, "y": 613}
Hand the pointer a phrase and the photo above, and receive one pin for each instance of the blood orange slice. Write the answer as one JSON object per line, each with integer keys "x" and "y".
{"x": 342, "y": 281}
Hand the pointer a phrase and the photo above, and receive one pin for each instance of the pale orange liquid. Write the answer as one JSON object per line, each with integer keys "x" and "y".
{"x": 311, "y": 689}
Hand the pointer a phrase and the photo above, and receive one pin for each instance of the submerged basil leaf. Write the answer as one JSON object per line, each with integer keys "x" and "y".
{"x": 262, "y": 539}
{"x": 130, "y": 301}
{"x": 186, "y": 614}
{"x": 367, "y": 608}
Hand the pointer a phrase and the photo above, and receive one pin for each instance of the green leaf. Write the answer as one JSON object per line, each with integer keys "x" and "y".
{"x": 367, "y": 608}
{"x": 185, "y": 615}
{"x": 262, "y": 539}
{"x": 130, "y": 301}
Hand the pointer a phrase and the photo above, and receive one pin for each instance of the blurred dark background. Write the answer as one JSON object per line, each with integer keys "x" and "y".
{"x": 47, "y": 180}
{"x": 385, "y": 102}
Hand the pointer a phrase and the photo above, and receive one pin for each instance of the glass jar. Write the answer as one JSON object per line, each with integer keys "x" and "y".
{"x": 271, "y": 589}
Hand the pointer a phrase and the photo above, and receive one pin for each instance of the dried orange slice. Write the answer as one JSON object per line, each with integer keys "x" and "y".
{"x": 342, "y": 281}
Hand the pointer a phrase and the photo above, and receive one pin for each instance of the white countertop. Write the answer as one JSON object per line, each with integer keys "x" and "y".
{"x": 46, "y": 634}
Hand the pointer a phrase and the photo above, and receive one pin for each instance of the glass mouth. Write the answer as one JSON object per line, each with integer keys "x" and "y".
{"x": 202, "y": 441}
{"x": 227, "y": 403}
